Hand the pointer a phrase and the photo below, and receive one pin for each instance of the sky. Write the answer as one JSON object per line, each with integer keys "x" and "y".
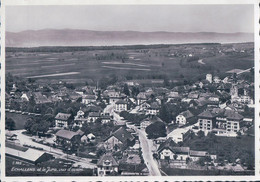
{"x": 145, "y": 18}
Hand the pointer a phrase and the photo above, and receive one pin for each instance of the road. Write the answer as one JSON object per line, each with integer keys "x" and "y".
{"x": 145, "y": 143}
{"x": 247, "y": 70}
{"x": 146, "y": 146}
{"x": 110, "y": 109}
{"x": 57, "y": 153}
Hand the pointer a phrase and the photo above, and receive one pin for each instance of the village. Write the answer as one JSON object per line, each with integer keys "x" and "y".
{"x": 130, "y": 129}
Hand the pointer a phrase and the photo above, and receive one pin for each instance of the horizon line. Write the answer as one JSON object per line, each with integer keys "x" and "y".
{"x": 163, "y": 31}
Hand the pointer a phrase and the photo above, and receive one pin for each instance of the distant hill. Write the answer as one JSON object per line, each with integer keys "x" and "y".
{"x": 73, "y": 37}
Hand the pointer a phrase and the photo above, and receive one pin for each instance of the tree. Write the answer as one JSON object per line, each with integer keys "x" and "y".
{"x": 43, "y": 127}
{"x": 31, "y": 80}
{"x": 175, "y": 156}
{"x": 156, "y": 130}
{"x": 28, "y": 124}
{"x": 188, "y": 160}
{"x": 135, "y": 91}
{"x": 126, "y": 90}
{"x": 35, "y": 125}
{"x": 166, "y": 82}
{"x": 238, "y": 135}
{"x": 164, "y": 114}
{"x": 9, "y": 124}
{"x": 201, "y": 134}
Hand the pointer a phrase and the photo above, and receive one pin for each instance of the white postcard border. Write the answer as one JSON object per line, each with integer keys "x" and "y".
{"x": 129, "y": 2}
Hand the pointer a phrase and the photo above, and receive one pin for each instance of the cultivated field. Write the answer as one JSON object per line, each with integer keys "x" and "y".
{"x": 177, "y": 62}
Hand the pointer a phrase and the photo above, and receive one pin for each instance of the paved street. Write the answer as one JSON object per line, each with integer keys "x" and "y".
{"x": 117, "y": 118}
{"x": 146, "y": 146}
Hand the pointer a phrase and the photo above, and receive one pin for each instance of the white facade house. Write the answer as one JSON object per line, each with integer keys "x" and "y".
{"x": 174, "y": 153}
{"x": 87, "y": 99}
{"x": 183, "y": 117}
{"x": 180, "y": 119}
{"x": 62, "y": 120}
{"x": 25, "y": 97}
{"x": 107, "y": 165}
{"x": 209, "y": 78}
{"x": 121, "y": 105}
{"x": 178, "y": 135}
{"x": 206, "y": 121}
{"x": 141, "y": 98}
{"x": 153, "y": 109}
{"x": 170, "y": 152}
{"x": 216, "y": 79}
{"x": 93, "y": 116}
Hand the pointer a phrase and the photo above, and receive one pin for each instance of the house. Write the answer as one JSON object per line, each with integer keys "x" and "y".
{"x": 87, "y": 99}
{"x": 93, "y": 116}
{"x": 133, "y": 169}
{"x": 179, "y": 135}
{"x": 209, "y": 78}
{"x": 10, "y": 136}
{"x": 105, "y": 118}
{"x": 113, "y": 96}
{"x": 213, "y": 98}
{"x": 121, "y": 105}
{"x": 141, "y": 98}
{"x": 173, "y": 96}
{"x": 62, "y": 120}
{"x": 120, "y": 138}
{"x": 153, "y": 109}
{"x": 144, "y": 106}
{"x": 93, "y": 108}
{"x": 193, "y": 95}
{"x": 196, "y": 155}
{"x": 74, "y": 97}
{"x": 61, "y": 95}
{"x": 184, "y": 117}
{"x": 149, "y": 120}
{"x": 107, "y": 165}
{"x": 89, "y": 138}
{"x": 40, "y": 99}
{"x": 169, "y": 151}
{"x": 80, "y": 132}
{"x": 68, "y": 139}
{"x": 216, "y": 79}
{"x": 233, "y": 121}
{"x": 207, "y": 121}
{"x": 28, "y": 155}
{"x": 80, "y": 119}
{"x": 228, "y": 122}
{"x": 25, "y": 97}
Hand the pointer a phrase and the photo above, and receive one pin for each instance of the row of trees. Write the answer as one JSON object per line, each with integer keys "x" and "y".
{"x": 38, "y": 125}
{"x": 134, "y": 118}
